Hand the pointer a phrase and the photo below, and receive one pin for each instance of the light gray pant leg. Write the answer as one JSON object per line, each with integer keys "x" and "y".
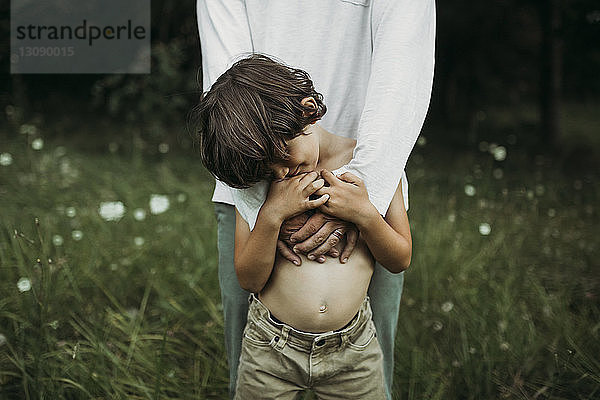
{"x": 385, "y": 292}
{"x": 234, "y": 298}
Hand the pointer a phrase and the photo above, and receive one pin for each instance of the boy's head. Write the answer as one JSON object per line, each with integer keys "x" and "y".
{"x": 249, "y": 113}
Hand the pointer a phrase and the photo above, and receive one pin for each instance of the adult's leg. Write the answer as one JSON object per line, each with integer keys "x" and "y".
{"x": 234, "y": 298}
{"x": 385, "y": 292}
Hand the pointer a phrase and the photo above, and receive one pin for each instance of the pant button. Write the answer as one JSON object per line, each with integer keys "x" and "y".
{"x": 320, "y": 342}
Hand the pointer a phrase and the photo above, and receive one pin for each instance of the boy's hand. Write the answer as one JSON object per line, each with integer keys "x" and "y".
{"x": 348, "y": 198}
{"x": 290, "y": 196}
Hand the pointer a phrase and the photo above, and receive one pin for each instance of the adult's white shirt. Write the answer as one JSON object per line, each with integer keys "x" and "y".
{"x": 371, "y": 59}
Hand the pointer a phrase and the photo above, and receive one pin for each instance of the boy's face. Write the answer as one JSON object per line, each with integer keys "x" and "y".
{"x": 304, "y": 155}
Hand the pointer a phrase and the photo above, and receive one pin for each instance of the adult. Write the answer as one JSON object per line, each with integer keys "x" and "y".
{"x": 373, "y": 61}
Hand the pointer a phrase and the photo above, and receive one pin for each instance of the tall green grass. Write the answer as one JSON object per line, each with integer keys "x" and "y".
{"x": 501, "y": 300}
{"x": 115, "y": 309}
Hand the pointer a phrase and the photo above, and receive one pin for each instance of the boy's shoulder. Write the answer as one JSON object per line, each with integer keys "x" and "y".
{"x": 342, "y": 149}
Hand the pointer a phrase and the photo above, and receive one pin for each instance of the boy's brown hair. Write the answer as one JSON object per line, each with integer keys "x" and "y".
{"x": 248, "y": 114}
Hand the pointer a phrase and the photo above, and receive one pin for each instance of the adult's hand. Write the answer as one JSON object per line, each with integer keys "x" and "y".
{"x": 284, "y": 244}
{"x": 321, "y": 234}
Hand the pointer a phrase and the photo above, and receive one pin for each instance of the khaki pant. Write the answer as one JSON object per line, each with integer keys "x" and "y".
{"x": 280, "y": 362}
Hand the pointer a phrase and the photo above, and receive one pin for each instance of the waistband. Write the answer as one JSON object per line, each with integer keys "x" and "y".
{"x": 260, "y": 315}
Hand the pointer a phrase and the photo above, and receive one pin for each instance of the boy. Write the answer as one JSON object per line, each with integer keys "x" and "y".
{"x": 308, "y": 326}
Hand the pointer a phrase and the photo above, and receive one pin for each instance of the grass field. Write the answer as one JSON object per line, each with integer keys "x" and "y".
{"x": 108, "y": 283}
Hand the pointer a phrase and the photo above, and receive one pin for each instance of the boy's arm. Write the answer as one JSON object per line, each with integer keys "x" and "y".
{"x": 254, "y": 253}
{"x": 388, "y": 239}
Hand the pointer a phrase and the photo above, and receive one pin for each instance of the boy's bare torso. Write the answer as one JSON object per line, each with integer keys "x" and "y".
{"x": 319, "y": 297}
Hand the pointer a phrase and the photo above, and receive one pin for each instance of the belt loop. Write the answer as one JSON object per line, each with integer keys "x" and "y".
{"x": 285, "y": 330}
{"x": 344, "y": 340}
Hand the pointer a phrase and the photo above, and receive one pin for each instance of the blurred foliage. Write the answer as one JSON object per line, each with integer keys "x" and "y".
{"x": 488, "y": 54}
{"x": 150, "y": 106}
{"x": 151, "y": 109}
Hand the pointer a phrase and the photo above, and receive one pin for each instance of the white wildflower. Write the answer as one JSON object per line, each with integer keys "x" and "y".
{"x": 470, "y": 190}
{"x": 57, "y": 240}
{"x": 159, "y": 203}
{"x": 6, "y": 159}
{"x": 485, "y": 229}
{"x": 139, "y": 214}
{"x": 163, "y": 148}
{"x": 37, "y": 144}
{"x": 77, "y": 235}
{"x": 111, "y": 210}
{"x": 24, "y": 285}
{"x": 499, "y": 153}
{"x": 447, "y": 306}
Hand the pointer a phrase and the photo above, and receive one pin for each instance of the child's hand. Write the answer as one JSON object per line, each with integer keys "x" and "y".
{"x": 348, "y": 198}
{"x": 290, "y": 196}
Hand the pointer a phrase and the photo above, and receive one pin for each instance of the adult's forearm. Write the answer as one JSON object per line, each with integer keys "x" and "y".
{"x": 397, "y": 95}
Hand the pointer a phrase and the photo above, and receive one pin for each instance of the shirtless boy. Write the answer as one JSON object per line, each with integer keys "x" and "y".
{"x": 309, "y": 326}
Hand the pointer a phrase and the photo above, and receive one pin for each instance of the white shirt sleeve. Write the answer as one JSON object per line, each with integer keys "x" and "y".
{"x": 398, "y": 94}
{"x": 224, "y": 35}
